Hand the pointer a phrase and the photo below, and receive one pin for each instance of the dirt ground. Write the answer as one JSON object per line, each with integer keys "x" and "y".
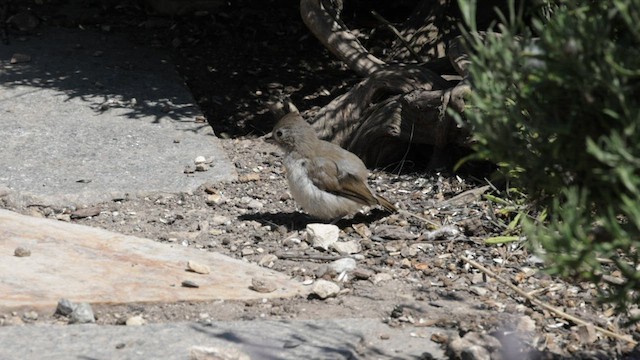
{"x": 407, "y": 274}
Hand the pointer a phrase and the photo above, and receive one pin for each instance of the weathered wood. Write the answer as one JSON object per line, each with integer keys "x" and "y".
{"x": 337, "y": 121}
{"x": 396, "y": 106}
{"x": 338, "y": 39}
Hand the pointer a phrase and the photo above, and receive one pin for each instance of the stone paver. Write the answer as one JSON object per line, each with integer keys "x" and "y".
{"x": 313, "y": 339}
{"x": 93, "y": 265}
{"x": 92, "y": 116}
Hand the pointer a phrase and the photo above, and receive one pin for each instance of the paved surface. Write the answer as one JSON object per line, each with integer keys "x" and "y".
{"x": 91, "y": 117}
{"x": 319, "y": 339}
{"x": 93, "y": 265}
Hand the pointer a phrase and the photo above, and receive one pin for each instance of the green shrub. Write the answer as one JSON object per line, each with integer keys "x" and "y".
{"x": 558, "y": 109}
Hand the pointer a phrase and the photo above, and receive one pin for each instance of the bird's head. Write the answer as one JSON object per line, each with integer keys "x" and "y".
{"x": 292, "y": 133}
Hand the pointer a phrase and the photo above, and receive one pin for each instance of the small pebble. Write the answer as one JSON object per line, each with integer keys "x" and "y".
{"x": 325, "y": 289}
{"x": 22, "y": 252}
{"x": 362, "y": 274}
{"x": 190, "y": 284}
{"x": 346, "y": 247}
{"x": 82, "y": 314}
{"x": 321, "y": 236}
{"x": 255, "y": 204}
{"x": 267, "y": 260}
{"x": 30, "y": 315}
{"x": 218, "y": 220}
{"x": 197, "y": 267}
{"x": 137, "y": 320}
{"x": 344, "y": 264}
{"x": 381, "y": 277}
{"x": 65, "y": 307}
{"x": 263, "y": 285}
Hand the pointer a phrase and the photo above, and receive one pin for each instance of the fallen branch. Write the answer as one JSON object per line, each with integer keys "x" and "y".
{"x": 338, "y": 39}
{"x": 545, "y": 306}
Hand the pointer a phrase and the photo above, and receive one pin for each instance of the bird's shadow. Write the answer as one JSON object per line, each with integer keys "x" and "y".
{"x": 297, "y": 220}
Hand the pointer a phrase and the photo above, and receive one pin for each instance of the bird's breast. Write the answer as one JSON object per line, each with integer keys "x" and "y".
{"x": 309, "y": 197}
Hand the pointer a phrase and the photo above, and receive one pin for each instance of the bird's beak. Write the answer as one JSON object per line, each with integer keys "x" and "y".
{"x": 269, "y": 138}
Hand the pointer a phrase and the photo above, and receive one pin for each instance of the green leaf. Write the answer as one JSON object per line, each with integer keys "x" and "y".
{"x": 501, "y": 239}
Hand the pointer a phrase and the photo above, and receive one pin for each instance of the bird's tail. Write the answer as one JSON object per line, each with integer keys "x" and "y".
{"x": 386, "y": 204}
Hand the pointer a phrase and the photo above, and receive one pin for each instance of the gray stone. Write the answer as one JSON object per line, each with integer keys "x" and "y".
{"x": 82, "y": 314}
{"x": 65, "y": 307}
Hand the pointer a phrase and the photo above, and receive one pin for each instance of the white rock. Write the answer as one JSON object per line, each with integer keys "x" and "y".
{"x": 268, "y": 260}
{"x": 321, "y": 236}
{"x": 200, "y": 160}
{"x": 347, "y": 247}
{"x": 135, "y": 321}
{"x": 213, "y": 199}
{"x": 255, "y": 204}
{"x": 344, "y": 264}
{"x": 381, "y": 277}
{"x": 197, "y": 267}
{"x": 325, "y": 289}
{"x": 218, "y": 220}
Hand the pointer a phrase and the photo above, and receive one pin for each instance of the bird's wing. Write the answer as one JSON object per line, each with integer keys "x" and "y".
{"x": 325, "y": 174}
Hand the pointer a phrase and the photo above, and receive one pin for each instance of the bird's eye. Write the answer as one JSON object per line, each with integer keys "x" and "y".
{"x": 278, "y": 133}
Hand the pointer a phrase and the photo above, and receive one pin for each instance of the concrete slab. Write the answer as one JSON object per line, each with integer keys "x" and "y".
{"x": 317, "y": 339}
{"x": 93, "y": 265}
{"x": 91, "y": 115}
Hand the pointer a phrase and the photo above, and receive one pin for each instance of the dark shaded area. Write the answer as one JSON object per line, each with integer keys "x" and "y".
{"x": 234, "y": 59}
{"x": 101, "y": 75}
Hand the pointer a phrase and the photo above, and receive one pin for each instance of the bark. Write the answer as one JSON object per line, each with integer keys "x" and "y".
{"x": 338, "y": 39}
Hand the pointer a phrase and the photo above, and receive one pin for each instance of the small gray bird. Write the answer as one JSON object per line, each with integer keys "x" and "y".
{"x": 327, "y": 181}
